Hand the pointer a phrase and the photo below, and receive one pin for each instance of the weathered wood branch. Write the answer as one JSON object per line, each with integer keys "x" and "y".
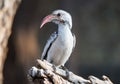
{"x": 7, "y": 12}
{"x": 46, "y": 73}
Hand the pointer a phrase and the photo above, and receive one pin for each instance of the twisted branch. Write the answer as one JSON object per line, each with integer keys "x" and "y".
{"x": 46, "y": 73}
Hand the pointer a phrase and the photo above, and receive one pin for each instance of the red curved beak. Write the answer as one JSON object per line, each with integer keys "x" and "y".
{"x": 47, "y": 19}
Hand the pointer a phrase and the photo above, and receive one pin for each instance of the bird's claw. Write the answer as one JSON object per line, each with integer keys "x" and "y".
{"x": 54, "y": 67}
{"x": 66, "y": 70}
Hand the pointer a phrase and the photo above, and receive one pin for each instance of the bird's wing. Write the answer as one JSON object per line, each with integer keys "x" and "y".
{"x": 48, "y": 45}
{"x": 74, "y": 41}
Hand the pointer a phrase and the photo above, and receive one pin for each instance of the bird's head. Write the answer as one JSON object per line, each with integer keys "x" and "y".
{"x": 58, "y": 17}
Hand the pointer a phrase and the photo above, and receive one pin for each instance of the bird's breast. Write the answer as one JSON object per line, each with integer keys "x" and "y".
{"x": 65, "y": 38}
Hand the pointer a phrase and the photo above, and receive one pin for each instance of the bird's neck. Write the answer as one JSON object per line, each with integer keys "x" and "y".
{"x": 63, "y": 28}
{"x": 64, "y": 34}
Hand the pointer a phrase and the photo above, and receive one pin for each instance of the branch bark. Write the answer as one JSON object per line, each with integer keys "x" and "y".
{"x": 7, "y": 12}
{"x": 46, "y": 73}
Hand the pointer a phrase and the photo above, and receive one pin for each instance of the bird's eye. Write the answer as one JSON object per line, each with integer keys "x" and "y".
{"x": 58, "y": 14}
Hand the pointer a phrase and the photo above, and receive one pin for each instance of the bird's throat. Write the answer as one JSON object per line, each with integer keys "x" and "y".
{"x": 64, "y": 32}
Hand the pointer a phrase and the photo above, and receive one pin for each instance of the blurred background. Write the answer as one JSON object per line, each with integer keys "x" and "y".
{"x": 96, "y": 24}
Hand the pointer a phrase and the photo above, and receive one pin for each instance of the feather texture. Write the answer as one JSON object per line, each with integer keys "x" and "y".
{"x": 48, "y": 45}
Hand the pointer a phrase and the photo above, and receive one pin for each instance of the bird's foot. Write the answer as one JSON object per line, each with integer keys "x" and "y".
{"x": 67, "y": 73}
{"x": 62, "y": 67}
{"x": 66, "y": 70}
{"x": 54, "y": 67}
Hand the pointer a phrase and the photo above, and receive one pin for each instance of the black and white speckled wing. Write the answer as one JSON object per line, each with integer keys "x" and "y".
{"x": 48, "y": 45}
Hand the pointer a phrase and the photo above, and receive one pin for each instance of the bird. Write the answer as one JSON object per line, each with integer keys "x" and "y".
{"x": 61, "y": 43}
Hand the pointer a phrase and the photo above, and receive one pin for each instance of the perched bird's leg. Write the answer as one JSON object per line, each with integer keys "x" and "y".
{"x": 62, "y": 67}
{"x": 66, "y": 70}
{"x": 54, "y": 67}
